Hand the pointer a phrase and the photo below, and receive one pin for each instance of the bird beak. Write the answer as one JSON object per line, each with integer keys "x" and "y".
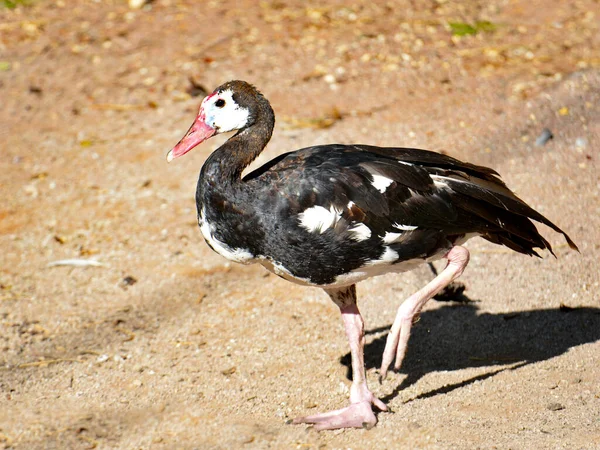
{"x": 198, "y": 133}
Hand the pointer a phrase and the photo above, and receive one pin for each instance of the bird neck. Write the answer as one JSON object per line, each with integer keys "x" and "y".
{"x": 226, "y": 164}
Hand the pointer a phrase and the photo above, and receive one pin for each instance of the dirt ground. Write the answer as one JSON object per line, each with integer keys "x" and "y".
{"x": 166, "y": 345}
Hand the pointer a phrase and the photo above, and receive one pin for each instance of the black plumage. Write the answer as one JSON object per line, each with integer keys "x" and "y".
{"x": 445, "y": 199}
{"x": 333, "y": 215}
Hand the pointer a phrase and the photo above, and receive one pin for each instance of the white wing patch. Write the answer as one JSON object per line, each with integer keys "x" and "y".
{"x": 380, "y": 182}
{"x": 405, "y": 227}
{"x": 388, "y": 256}
{"x": 319, "y": 219}
{"x": 439, "y": 182}
{"x": 238, "y": 255}
{"x": 361, "y": 232}
{"x": 389, "y": 238}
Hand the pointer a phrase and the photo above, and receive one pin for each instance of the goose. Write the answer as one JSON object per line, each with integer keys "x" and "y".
{"x": 332, "y": 215}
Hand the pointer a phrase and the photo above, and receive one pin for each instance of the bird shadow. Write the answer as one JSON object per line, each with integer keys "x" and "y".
{"x": 455, "y": 337}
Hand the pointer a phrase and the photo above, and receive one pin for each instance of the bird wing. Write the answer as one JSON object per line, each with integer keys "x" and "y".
{"x": 402, "y": 191}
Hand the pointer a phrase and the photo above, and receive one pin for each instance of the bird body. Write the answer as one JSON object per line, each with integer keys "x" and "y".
{"x": 333, "y": 215}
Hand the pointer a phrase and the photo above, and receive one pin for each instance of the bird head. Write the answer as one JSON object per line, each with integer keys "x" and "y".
{"x": 222, "y": 111}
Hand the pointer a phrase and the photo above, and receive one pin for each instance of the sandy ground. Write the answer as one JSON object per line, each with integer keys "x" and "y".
{"x": 167, "y": 345}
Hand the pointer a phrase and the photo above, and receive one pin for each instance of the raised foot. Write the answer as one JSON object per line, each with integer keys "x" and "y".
{"x": 357, "y": 415}
{"x": 397, "y": 340}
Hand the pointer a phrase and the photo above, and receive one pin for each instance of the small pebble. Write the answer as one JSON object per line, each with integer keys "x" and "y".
{"x": 555, "y": 407}
{"x": 247, "y": 439}
{"x": 137, "y": 4}
{"x": 129, "y": 280}
{"x": 544, "y": 137}
{"x": 229, "y": 371}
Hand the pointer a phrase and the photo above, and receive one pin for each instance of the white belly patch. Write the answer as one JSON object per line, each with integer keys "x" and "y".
{"x": 239, "y": 255}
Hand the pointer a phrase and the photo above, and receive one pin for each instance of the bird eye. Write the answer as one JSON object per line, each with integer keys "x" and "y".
{"x": 220, "y": 103}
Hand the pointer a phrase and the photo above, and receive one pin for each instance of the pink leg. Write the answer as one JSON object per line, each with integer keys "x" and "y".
{"x": 458, "y": 258}
{"x": 360, "y": 412}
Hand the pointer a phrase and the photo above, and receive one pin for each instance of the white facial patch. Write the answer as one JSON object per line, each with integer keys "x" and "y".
{"x": 319, "y": 219}
{"x": 238, "y": 255}
{"x": 228, "y": 117}
{"x": 360, "y": 232}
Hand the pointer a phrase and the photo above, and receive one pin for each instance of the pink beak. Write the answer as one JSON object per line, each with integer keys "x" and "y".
{"x": 198, "y": 133}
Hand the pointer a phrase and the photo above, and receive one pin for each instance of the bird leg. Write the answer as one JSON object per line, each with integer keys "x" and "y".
{"x": 397, "y": 340}
{"x": 360, "y": 412}
{"x": 452, "y": 292}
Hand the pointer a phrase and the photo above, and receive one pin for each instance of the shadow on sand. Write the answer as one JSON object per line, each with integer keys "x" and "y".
{"x": 455, "y": 337}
